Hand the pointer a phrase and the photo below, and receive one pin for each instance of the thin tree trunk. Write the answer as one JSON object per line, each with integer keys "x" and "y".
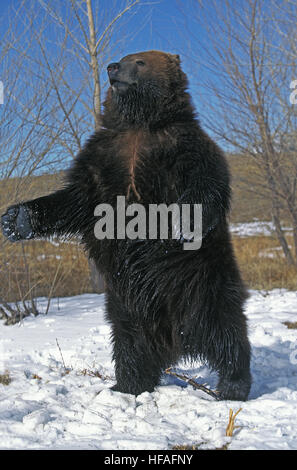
{"x": 281, "y": 238}
{"x": 96, "y": 278}
{"x": 94, "y": 65}
{"x": 294, "y": 219}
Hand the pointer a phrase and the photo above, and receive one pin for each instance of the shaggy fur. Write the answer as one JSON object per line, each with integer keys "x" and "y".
{"x": 163, "y": 302}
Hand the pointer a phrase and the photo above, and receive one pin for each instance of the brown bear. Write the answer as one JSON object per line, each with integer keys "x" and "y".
{"x": 163, "y": 302}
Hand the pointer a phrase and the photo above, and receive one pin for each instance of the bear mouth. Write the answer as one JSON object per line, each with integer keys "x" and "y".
{"x": 115, "y": 82}
{"x": 119, "y": 87}
{"x": 121, "y": 84}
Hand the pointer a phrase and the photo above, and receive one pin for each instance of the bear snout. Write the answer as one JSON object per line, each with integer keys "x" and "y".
{"x": 112, "y": 70}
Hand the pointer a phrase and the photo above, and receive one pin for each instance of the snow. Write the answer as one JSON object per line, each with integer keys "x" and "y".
{"x": 53, "y": 402}
{"x": 257, "y": 227}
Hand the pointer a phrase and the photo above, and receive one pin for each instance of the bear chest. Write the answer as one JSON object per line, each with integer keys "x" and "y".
{"x": 131, "y": 153}
{"x": 140, "y": 154}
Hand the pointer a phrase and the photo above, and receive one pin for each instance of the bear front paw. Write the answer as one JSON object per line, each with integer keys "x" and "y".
{"x": 16, "y": 223}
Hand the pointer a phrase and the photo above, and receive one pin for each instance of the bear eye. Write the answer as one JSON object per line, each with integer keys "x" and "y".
{"x": 140, "y": 62}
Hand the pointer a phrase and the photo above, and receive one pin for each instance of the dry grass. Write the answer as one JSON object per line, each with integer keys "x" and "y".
{"x": 228, "y": 433}
{"x": 41, "y": 268}
{"x": 231, "y": 423}
{"x": 5, "y": 378}
{"x": 292, "y": 325}
{"x": 185, "y": 447}
{"x": 259, "y": 270}
{"x": 94, "y": 373}
{"x": 38, "y": 268}
{"x": 36, "y": 377}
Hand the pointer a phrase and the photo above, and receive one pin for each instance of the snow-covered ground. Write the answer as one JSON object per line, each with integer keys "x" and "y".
{"x": 47, "y": 406}
{"x": 257, "y": 227}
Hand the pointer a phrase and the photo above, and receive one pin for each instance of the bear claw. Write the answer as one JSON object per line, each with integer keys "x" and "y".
{"x": 16, "y": 223}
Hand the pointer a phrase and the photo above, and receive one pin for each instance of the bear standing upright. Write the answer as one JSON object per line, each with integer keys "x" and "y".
{"x": 163, "y": 302}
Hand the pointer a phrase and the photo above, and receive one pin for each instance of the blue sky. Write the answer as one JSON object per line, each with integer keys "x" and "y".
{"x": 162, "y": 28}
{"x": 164, "y": 25}
{"x": 162, "y": 18}
{"x": 169, "y": 25}
{"x": 154, "y": 24}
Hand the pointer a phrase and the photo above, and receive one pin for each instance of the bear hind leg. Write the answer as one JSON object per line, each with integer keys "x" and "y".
{"x": 229, "y": 354}
{"x": 220, "y": 338}
{"x": 140, "y": 355}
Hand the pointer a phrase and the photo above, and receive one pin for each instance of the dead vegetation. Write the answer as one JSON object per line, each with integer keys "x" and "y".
{"x": 262, "y": 263}
{"x": 43, "y": 269}
{"x": 231, "y": 424}
{"x": 61, "y": 270}
{"x": 192, "y": 381}
{"x": 38, "y": 268}
{"x": 228, "y": 433}
{"x": 5, "y": 378}
{"x": 292, "y": 325}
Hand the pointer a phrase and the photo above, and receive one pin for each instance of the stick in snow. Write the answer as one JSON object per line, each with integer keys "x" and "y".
{"x": 193, "y": 383}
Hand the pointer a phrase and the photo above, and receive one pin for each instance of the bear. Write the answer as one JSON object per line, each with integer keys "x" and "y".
{"x": 163, "y": 303}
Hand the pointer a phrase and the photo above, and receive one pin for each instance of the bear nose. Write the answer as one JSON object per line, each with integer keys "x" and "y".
{"x": 113, "y": 68}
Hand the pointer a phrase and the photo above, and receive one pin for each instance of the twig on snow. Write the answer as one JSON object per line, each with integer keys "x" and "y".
{"x": 193, "y": 383}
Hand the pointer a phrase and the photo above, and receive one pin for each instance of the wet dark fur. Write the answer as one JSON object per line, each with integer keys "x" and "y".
{"x": 162, "y": 302}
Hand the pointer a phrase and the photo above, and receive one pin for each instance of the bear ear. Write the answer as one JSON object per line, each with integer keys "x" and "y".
{"x": 174, "y": 58}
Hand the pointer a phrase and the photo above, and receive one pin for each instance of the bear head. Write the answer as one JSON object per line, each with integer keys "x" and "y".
{"x": 145, "y": 87}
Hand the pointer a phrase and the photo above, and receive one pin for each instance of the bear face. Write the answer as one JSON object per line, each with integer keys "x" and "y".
{"x": 139, "y": 70}
{"x": 145, "y": 87}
